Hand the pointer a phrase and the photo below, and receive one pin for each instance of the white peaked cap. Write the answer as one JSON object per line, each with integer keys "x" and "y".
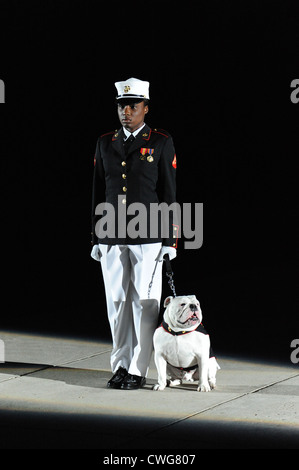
{"x": 132, "y": 88}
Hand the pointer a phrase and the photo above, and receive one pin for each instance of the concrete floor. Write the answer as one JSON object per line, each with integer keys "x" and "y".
{"x": 53, "y": 395}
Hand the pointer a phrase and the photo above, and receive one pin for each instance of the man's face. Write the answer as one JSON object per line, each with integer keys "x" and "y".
{"x": 131, "y": 115}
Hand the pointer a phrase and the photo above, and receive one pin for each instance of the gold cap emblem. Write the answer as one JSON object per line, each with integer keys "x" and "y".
{"x": 127, "y": 88}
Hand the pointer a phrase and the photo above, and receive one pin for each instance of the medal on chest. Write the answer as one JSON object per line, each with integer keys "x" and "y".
{"x": 146, "y": 154}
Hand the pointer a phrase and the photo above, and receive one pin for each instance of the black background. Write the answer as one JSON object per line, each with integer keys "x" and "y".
{"x": 220, "y": 75}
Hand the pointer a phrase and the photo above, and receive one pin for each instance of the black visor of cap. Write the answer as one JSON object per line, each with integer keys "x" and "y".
{"x": 129, "y": 100}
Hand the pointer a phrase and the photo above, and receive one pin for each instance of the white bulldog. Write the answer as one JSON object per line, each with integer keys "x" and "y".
{"x": 182, "y": 346}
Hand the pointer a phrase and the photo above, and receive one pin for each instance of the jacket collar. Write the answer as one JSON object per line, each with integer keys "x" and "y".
{"x": 135, "y": 133}
{"x": 142, "y": 137}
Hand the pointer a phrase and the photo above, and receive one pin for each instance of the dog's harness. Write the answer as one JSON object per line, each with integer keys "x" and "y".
{"x": 200, "y": 329}
{"x": 167, "y": 328}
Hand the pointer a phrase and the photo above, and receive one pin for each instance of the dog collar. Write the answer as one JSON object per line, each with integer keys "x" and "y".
{"x": 167, "y": 328}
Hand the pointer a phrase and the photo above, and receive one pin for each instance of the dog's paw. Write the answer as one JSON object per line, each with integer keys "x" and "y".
{"x": 205, "y": 387}
{"x": 212, "y": 383}
{"x": 188, "y": 377}
{"x": 174, "y": 383}
{"x": 158, "y": 387}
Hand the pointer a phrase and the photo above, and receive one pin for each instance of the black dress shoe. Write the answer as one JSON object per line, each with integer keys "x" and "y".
{"x": 132, "y": 382}
{"x": 118, "y": 377}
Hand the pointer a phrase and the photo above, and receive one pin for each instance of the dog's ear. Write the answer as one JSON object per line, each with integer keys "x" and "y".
{"x": 168, "y": 300}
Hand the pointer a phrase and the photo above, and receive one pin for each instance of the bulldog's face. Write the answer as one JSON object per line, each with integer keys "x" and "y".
{"x": 183, "y": 311}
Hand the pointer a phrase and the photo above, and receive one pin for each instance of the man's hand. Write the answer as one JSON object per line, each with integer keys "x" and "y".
{"x": 96, "y": 253}
{"x": 166, "y": 250}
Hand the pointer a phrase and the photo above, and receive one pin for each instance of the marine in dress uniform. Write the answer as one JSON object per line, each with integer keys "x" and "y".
{"x": 135, "y": 164}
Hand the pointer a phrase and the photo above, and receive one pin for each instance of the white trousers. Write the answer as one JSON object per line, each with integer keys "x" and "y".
{"x": 127, "y": 272}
